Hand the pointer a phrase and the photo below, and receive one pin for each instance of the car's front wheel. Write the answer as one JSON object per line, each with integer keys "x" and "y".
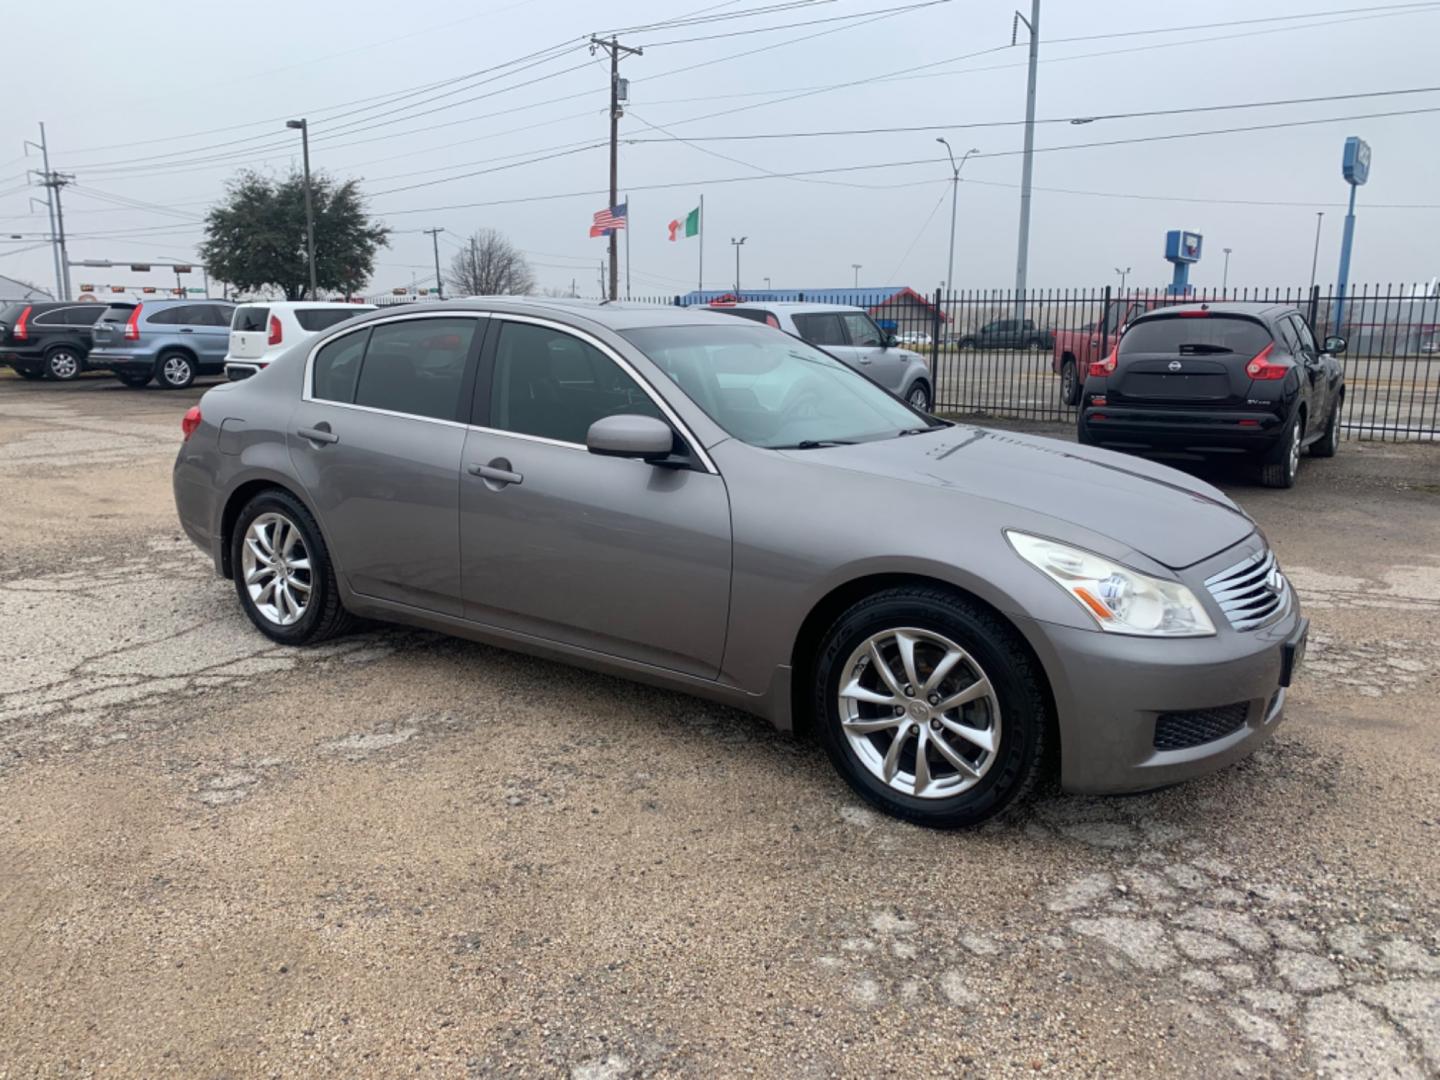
{"x": 1069, "y": 383}
{"x": 175, "y": 371}
{"x": 930, "y": 707}
{"x": 283, "y": 573}
{"x": 919, "y": 397}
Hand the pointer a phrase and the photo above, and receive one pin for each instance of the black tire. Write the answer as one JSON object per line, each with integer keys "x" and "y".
{"x": 1329, "y": 442}
{"x": 1082, "y": 433}
{"x": 134, "y": 378}
{"x": 968, "y": 343}
{"x": 63, "y": 364}
{"x": 920, "y": 396}
{"x": 1281, "y": 464}
{"x": 1069, "y": 383}
{"x": 1035, "y": 344}
{"x": 28, "y": 375}
{"x": 325, "y": 616}
{"x": 998, "y": 650}
{"x": 174, "y": 370}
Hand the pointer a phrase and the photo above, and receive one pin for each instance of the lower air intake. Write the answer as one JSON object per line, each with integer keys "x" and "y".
{"x": 1182, "y": 730}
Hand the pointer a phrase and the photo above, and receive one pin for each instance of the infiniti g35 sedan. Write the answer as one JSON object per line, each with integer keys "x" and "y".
{"x": 715, "y": 506}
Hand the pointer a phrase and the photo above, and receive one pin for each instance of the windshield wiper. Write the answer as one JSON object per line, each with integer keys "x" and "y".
{"x": 918, "y": 430}
{"x": 1203, "y": 350}
{"x": 814, "y": 444}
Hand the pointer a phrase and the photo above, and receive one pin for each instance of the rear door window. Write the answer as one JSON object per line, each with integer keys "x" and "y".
{"x": 1195, "y": 336}
{"x": 250, "y": 319}
{"x": 323, "y": 318}
{"x": 821, "y": 329}
{"x": 179, "y": 315}
{"x": 416, "y": 366}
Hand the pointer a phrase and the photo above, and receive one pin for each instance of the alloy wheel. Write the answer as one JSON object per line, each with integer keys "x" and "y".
{"x": 919, "y": 398}
{"x": 64, "y": 365}
{"x": 276, "y": 565}
{"x": 919, "y": 713}
{"x": 176, "y": 371}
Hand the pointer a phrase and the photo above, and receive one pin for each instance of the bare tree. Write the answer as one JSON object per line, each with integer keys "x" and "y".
{"x": 489, "y": 265}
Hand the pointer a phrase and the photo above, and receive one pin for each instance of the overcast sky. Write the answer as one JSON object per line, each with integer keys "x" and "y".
{"x": 135, "y": 111}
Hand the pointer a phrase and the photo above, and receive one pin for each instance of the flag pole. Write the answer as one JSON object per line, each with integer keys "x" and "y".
{"x": 701, "y": 281}
{"x": 627, "y": 247}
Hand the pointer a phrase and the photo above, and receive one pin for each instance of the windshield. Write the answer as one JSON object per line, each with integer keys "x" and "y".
{"x": 772, "y": 390}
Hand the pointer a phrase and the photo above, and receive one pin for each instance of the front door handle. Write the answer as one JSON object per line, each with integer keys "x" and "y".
{"x": 321, "y": 434}
{"x": 497, "y": 473}
{"x": 186, "y": 330}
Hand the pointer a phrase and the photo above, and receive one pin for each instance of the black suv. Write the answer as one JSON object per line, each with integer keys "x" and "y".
{"x": 1009, "y": 334}
{"x": 1218, "y": 379}
{"x": 49, "y": 340}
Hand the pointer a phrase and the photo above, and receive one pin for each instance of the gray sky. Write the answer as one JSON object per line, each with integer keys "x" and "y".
{"x": 133, "y": 112}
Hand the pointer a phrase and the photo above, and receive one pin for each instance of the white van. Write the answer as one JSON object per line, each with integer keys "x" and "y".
{"x": 260, "y": 332}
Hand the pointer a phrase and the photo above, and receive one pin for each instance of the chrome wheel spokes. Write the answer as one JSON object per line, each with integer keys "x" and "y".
{"x": 919, "y": 713}
{"x": 276, "y": 566}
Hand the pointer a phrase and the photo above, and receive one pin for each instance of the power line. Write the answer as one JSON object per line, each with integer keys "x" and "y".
{"x": 792, "y": 26}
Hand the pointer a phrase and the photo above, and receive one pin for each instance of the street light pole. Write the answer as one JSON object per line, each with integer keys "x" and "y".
{"x": 737, "y": 244}
{"x": 1123, "y": 275}
{"x": 1027, "y": 168}
{"x": 1315, "y": 258}
{"x": 856, "y": 268}
{"x": 954, "y": 199}
{"x": 303, "y": 126}
{"x": 1225, "y": 277}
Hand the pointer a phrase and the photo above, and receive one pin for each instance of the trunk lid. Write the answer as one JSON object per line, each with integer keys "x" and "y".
{"x": 249, "y": 333}
{"x": 1187, "y": 360}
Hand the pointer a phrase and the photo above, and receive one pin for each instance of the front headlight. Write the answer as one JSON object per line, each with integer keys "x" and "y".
{"x": 1121, "y": 600}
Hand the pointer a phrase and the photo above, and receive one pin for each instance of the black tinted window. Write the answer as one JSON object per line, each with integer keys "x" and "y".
{"x": 179, "y": 315}
{"x": 250, "y": 319}
{"x": 753, "y": 314}
{"x": 337, "y": 367}
{"x": 820, "y": 329}
{"x": 53, "y": 317}
{"x": 117, "y": 313}
{"x": 324, "y": 318}
{"x": 862, "y": 330}
{"x": 1302, "y": 329}
{"x": 551, "y": 384}
{"x": 1204, "y": 334}
{"x": 211, "y": 315}
{"x": 416, "y": 366}
{"x": 84, "y": 315}
{"x": 1288, "y": 337}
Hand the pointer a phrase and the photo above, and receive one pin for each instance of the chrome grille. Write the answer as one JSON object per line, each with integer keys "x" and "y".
{"x": 1252, "y": 592}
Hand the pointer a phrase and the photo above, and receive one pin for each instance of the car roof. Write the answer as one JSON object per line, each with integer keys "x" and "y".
{"x": 304, "y": 305}
{"x": 791, "y": 306}
{"x": 613, "y": 315}
{"x": 1256, "y": 310}
{"x": 175, "y": 301}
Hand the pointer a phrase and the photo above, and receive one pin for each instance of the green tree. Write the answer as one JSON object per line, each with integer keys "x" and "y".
{"x": 255, "y": 238}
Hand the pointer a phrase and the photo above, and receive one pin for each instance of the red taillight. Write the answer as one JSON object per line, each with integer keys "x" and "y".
{"x": 1262, "y": 368}
{"x": 276, "y": 332}
{"x": 22, "y": 327}
{"x": 1101, "y": 368}
{"x": 132, "y": 324}
{"x": 190, "y": 421}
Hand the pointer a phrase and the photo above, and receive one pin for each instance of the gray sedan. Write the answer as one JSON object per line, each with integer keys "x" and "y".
{"x": 711, "y": 505}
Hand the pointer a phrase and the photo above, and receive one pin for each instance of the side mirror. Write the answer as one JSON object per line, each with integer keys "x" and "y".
{"x": 1335, "y": 345}
{"x": 630, "y": 436}
{"x": 890, "y": 341}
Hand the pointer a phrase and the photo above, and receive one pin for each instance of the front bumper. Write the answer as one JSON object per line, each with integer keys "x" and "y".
{"x": 1195, "y": 430}
{"x": 1111, "y": 692}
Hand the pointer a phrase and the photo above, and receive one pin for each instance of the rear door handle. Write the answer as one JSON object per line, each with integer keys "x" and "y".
{"x": 318, "y": 435}
{"x": 497, "y": 472}
{"x": 187, "y": 330}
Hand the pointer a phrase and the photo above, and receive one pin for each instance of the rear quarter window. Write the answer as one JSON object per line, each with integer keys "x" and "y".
{"x": 1210, "y": 334}
{"x": 323, "y": 318}
{"x": 249, "y": 319}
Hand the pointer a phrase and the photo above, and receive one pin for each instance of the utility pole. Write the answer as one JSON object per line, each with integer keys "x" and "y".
{"x": 56, "y": 244}
{"x": 856, "y": 268}
{"x": 737, "y": 244}
{"x": 627, "y": 247}
{"x": 1315, "y": 258}
{"x": 954, "y": 201}
{"x": 618, "y": 93}
{"x": 304, "y": 128}
{"x": 1022, "y": 258}
{"x": 1225, "y": 276}
{"x": 1123, "y": 275}
{"x": 434, "y": 235}
{"x": 474, "y": 269}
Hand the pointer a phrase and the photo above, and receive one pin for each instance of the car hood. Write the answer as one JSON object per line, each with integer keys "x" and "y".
{"x": 1158, "y": 511}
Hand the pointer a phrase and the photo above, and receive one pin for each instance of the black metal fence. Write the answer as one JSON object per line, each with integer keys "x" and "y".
{"x": 998, "y": 355}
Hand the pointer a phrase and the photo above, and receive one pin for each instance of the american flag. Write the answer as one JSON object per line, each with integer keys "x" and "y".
{"x": 609, "y": 219}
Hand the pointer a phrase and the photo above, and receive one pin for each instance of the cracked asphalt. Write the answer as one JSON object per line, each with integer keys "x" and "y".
{"x": 405, "y": 853}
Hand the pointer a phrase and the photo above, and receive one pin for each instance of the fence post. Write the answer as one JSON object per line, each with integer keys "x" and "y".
{"x": 935, "y": 333}
{"x": 1104, "y": 328}
{"x": 1314, "y": 306}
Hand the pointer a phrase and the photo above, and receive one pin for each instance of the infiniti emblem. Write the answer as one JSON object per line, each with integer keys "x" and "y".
{"x": 1174, "y": 365}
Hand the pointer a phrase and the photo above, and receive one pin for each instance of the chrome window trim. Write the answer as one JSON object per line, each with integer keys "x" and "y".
{"x": 605, "y": 350}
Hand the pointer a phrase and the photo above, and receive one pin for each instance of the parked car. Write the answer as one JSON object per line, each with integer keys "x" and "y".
{"x": 1076, "y": 350}
{"x": 1219, "y": 380}
{"x": 47, "y": 340}
{"x": 260, "y": 332}
{"x": 171, "y": 341}
{"x": 671, "y": 495}
{"x": 1009, "y": 334}
{"x": 849, "y": 334}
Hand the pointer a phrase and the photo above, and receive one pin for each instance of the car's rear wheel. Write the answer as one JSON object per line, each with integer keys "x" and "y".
{"x": 283, "y": 573}
{"x": 1035, "y": 345}
{"x": 1283, "y": 462}
{"x": 919, "y": 396}
{"x": 930, "y": 707}
{"x": 967, "y": 343}
{"x": 134, "y": 378}
{"x": 1069, "y": 383}
{"x": 174, "y": 370}
{"x": 62, "y": 364}
{"x": 1328, "y": 443}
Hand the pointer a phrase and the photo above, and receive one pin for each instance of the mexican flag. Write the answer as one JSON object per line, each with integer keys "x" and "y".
{"x": 687, "y": 228}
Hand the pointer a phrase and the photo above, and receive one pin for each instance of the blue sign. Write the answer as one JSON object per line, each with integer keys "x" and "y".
{"x": 1356, "y": 164}
{"x": 1182, "y": 246}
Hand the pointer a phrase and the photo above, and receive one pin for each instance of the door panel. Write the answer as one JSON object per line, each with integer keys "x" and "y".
{"x": 883, "y": 365}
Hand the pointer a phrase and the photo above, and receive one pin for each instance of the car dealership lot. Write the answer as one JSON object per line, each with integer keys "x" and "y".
{"x": 404, "y": 852}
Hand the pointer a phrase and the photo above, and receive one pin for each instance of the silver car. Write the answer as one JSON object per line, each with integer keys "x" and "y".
{"x": 710, "y": 505}
{"x": 850, "y": 334}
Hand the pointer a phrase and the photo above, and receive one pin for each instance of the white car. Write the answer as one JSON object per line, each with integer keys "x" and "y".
{"x": 260, "y": 332}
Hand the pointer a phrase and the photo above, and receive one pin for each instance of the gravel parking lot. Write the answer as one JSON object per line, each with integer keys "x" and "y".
{"x": 404, "y": 853}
